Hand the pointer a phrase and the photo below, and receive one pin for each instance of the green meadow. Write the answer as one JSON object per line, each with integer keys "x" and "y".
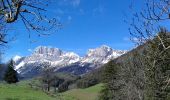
{"x": 21, "y": 91}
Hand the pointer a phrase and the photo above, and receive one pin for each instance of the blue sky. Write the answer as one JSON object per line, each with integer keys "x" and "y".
{"x": 86, "y": 24}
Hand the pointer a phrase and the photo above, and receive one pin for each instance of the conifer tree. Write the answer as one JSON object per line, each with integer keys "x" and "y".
{"x": 10, "y": 74}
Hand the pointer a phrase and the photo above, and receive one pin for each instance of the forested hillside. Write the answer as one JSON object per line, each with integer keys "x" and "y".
{"x": 133, "y": 75}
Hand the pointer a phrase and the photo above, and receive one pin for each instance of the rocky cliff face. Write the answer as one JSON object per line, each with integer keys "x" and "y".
{"x": 101, "y": 55}
{"x": 64, "y": 61}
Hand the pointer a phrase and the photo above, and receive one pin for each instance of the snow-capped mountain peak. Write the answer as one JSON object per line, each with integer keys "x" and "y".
{"x": 101, "y": 51}
{"x": 101, "y": 55}
{"x": 47, "y": 50}
{"x": 16, "y": 58}
{"x": 61, "y": 59}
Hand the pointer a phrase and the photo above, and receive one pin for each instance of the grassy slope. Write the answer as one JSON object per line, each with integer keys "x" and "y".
{"x": 21, "y": 91}
{"x": 90, "y": 93}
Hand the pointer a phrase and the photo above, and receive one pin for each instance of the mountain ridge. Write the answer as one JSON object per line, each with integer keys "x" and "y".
{"x": 65, "y": 61}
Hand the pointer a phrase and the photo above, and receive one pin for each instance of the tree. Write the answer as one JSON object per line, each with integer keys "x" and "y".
{"x": 10, "y": 74}
{"x": 144, "y": 74}
{"x": 57, "y": 82}
{"x": 148, "y": 26}
{"x": 110, "y": 73}
{"x": 157, "y": 65}
{"x": 47, "y": 77}
{"x": 64, "y": 86}
{"x": 112, "y": 80}
{"x": 31, "y": 12}
{"x": 133, "y": 75}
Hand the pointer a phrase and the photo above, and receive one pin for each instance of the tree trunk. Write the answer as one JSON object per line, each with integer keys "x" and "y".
{"x": 48, "y": 87}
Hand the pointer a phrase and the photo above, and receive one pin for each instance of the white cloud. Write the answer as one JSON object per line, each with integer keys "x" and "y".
{"x": 30, "y": 50}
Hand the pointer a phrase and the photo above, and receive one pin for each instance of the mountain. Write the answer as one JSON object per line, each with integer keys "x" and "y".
{"x": 63, "y": 61}
{"x": 101, "y": 55}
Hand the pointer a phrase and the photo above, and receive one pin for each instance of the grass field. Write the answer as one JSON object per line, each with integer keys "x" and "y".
{"x": 90, "y": 93}
{"x": 22, "y": 91}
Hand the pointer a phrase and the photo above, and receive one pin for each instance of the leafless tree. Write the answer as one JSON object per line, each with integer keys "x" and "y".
{"x": 147, "y": 23}
{"x": 149, "y": 27}
{"x": 47, "y": 76}
{"x": 31, "y": 12}
{"x": 2, "y": 34}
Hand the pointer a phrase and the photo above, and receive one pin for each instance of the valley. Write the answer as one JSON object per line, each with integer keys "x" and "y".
{"x": 84, "y": 50}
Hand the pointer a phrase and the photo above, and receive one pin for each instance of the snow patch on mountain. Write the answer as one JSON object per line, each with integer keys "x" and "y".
{"x": 62, "y": 59}
{"x": 19, "y": 65}
{"x": 102, "y": 55}
{"x": 16, "y": 58}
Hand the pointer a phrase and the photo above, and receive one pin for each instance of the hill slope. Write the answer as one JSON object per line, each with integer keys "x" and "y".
{"x": 90, "y": 93}
{"x": 21, "y": 91}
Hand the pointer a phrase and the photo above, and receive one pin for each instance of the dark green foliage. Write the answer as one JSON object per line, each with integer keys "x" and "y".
{"x": 2, "y": 71}
{"x": 66, "y": 81}
{"x": 47, "y": 77}
{"x": 110, "y": 71}
{"x": 57, "y": 82}
{"x": 105, "y": 93}
{"x": 91, "y": 78}
{"x": 141, "y": 74}
{"x": 109, "y": 77}
{"x": 63, "y": 87}
{"x": 10, "y": 74}
{"x": 62, "y": 81}
{"x": 87, "y": 83}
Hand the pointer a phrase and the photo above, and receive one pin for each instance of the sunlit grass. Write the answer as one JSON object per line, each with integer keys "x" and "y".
{"x": 21, "y": 91}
